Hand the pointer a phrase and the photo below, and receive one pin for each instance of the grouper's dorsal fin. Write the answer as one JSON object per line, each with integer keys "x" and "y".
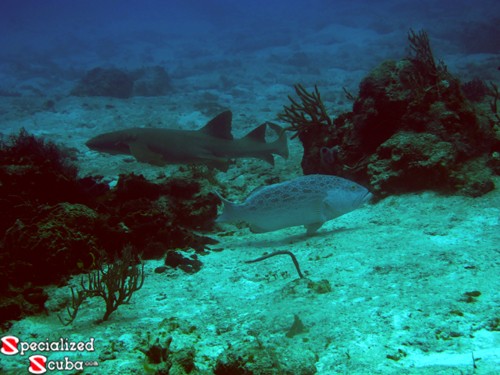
{"x": 219, "y": 126}
{"x": 258, "y": 134}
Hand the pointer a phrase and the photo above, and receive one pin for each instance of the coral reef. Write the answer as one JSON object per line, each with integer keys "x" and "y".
{"x": 410, "y": 128}
{"x": 34, "y": 172}
{"x": 475, "y": 90}
{"x": 56, "y": 224}
{"x": 156, "y": 217}
{"x": 59, "y": 241}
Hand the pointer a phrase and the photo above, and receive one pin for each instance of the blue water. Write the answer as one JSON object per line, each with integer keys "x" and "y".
{"x": 62, "y": 39}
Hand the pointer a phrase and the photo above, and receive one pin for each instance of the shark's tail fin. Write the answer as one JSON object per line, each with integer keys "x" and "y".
{"x": 281, "y": 144}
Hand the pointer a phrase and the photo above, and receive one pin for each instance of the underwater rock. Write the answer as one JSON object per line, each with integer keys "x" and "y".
{"x": 411, "y": 161}
{"x": 472, "y": 178}
{"x": 413, "y": 138}
{"x": 21, "y": 302}
{"x": 252, "y": 358}
{"x": 131, "y": 187}
{"x": 410, "y": 128}
{"x": 157, "y": 217}
{"x": 175, "y": 259}
{"x": 53, "y": 245}
{"x": 34, "y": 173}
{"x": 56, "y": 243}
{"x": 116, "y": 83}
{"x": 151, "y": 81}
{"x": 111, "y": 82}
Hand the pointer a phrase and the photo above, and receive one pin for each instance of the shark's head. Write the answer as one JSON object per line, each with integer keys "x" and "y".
{"x": 112, "y": 143}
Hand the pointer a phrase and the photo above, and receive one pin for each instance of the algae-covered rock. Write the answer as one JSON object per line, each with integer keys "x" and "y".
{"x": 55, "y": 224}
{"x": 157, "y": 217}
{"x": 409, "y": 161}
{"x": 56, "y": 243}
{"x": 34, "y": 173}
{"x": 410, "y": 128}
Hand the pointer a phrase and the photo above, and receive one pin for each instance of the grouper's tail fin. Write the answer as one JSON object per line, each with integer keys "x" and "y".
{"x": 229, "y": 210}
{"x": 281, "y": 144}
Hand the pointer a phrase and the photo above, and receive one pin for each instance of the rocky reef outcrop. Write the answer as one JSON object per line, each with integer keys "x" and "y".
{"x": 57, "y": 224}
{"x": 410, "y": 128}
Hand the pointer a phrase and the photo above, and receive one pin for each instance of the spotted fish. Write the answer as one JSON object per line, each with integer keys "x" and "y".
{"x": 307, "y": 200}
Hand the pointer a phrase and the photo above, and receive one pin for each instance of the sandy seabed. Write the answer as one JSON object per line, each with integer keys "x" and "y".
{"x": 414, "y": 278}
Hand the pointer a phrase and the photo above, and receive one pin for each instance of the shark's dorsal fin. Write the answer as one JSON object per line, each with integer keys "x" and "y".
{"x": 219, "y": 126}
{"x": 258, "y": 134}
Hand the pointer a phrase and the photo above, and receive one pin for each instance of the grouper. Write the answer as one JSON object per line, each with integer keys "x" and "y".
{"x": 307, "y": 200}
{"x": 212, "y": 145}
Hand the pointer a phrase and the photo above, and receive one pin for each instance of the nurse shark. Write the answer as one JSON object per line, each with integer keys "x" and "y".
{"x": 212, "y": 145}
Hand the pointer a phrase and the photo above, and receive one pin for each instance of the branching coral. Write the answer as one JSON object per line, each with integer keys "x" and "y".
{"x": 428, "y": 72}
{"x": 421, "y": 49}
{"x": 309, "y": 111}
{"x": 114, "y": 283}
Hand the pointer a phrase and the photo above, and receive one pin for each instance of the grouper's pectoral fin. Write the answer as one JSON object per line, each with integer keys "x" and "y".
{"x": 256, "y": 229}
{"x": 143, "y": 153}
{"x": 312, "y": 228}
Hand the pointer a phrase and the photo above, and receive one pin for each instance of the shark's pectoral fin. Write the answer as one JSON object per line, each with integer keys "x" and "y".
{"x": 269, "y": 158}
{"x": 143, "y": 153}
{"x": 212, "y": 160}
